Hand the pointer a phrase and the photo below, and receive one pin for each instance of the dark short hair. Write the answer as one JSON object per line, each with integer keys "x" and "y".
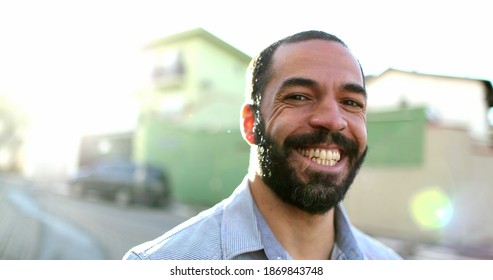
{"x": 260, "y": 65}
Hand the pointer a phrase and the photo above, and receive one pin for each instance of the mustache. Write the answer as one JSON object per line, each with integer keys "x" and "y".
{"x": 349, "y": 146}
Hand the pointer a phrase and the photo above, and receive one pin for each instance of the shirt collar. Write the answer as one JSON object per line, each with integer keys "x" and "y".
{"x": 272, "y": 248}
{"x": 243, "y": 230}
{"x": 344, "y": 248}
{"x": 239, "y": 232}
{"x": 345, "y": 240}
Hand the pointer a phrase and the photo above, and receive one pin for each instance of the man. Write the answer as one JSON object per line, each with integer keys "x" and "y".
{"x": 305, "y": 120}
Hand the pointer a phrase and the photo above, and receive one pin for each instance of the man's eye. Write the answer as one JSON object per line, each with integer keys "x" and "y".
{"x": 352, "y": 103}
{"x": 297, "y": 97}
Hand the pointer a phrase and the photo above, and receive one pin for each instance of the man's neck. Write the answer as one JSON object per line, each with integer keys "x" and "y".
{"x": 303, "y": 235}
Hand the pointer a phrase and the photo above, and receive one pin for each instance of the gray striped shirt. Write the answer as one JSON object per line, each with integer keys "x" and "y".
{"x": 235, "y": 229}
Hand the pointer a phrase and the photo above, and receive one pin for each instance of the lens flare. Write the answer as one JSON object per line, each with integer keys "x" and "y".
{"x": 431, "y": 208}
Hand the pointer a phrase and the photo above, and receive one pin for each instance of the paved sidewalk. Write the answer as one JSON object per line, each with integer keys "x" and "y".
{"x": 19, "y": 232}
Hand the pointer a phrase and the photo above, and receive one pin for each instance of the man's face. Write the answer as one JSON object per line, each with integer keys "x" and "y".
{"x": 312, "y": 131}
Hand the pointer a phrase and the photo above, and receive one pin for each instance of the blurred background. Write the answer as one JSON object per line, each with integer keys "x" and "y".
{"x": 120, "y": 119}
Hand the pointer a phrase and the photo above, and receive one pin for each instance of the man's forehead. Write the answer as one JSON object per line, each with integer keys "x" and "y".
{"x": 310, "y": 46}
{"x": 291, "y": 56}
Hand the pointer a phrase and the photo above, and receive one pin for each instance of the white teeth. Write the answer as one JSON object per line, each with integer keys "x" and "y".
{"x": 323, "y": 157}
{"x": 311, "y": 153}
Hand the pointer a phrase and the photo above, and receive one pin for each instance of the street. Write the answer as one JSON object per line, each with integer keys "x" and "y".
{"x": 40, "y": 221}
{"x": 37, "y": 223}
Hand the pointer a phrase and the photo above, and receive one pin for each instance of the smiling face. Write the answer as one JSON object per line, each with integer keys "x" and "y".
{"x": 311, "y": 134}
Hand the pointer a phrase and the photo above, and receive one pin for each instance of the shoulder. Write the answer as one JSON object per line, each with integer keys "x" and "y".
{"x": 196, "y": 238}
{"x": 374, "y": 249}
{"x": 221, "y": 232}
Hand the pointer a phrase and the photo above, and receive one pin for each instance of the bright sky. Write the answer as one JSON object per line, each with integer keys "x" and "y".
{"x": 66, "y": 60}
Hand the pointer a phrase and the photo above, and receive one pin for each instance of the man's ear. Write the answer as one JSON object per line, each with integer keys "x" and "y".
{"x": 247, "y": 123}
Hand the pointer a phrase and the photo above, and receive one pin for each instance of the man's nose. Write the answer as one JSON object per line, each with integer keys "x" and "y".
{"x": 328, "y": 115}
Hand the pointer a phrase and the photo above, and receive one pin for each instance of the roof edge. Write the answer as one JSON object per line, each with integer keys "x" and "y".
{"x": 196, "y": 32}
{"x": 487, "y": 82}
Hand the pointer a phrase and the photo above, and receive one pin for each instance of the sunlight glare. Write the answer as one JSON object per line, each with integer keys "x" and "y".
{"x": 431, "y": 208}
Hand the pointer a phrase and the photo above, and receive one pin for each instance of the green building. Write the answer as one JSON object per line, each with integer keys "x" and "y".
{"x": 190, "y": 115}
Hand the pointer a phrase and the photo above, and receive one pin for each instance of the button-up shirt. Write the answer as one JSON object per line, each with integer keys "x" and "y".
{"x": 235, "y": 229}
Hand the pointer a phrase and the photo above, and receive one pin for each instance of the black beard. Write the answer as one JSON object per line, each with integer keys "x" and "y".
{"x": 322, "y": 191}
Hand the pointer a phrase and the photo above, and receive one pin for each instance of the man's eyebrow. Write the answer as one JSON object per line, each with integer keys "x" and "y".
{"x": 298, "y": 81}
{"x": 353, "y": 87}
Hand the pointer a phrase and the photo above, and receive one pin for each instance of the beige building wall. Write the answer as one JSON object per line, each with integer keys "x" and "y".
{"x": 456, "y": 174}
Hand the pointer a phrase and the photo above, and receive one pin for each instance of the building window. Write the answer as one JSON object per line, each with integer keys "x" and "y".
{"x": 169, "y": 69}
